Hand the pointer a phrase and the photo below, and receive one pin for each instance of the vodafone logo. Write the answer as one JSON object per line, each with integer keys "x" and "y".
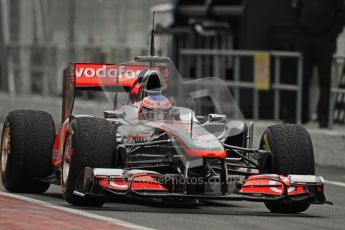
{"x": 99, "y": 75}
{"x": 107, "y": 71}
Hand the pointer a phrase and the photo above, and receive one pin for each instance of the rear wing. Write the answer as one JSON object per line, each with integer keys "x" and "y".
{"x": 105, "y": 75}
{"x": 92, "y": 76}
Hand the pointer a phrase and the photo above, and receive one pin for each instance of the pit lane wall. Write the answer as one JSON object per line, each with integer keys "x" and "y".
{"x": 329, "y": 145}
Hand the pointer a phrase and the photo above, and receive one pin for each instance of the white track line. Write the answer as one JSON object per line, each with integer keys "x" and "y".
{"x": 337, "y": 183}
{"x": 78, "y": 212}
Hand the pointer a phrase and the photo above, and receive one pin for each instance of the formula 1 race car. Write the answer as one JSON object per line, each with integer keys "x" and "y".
{"x": 163, "y": 138}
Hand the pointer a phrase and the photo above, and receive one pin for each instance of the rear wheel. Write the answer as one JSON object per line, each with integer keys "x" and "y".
{"x": 91, "y": 143}
{"x": 26, "y": 150}
{"x": 293, "y": 153}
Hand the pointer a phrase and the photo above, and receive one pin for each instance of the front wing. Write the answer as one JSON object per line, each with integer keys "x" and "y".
{"x": 148, "y": 184}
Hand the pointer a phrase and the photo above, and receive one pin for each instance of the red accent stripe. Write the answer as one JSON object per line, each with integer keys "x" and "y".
{"x": 140, "y": 183}
{"x": 59, "y": 143}
{"x": 269, "y": 186}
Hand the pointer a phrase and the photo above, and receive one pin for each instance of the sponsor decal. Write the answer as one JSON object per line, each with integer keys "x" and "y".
{"x": 70, "y": 130}
{"x": 93, "y": 75}
{"x": 276, "y": 186}
{"x": 262, "y": 71}
{"x": 136, "y": 138}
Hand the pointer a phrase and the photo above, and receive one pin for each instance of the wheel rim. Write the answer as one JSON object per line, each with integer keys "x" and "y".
{"x": 66, "y": 161}
{"x": 6, "y": 147}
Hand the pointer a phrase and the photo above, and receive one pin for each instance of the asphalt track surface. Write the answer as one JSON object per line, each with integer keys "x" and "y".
{"x": 219, "y": 214}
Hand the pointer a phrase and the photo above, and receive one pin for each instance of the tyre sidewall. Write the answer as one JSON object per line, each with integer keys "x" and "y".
{"x": 14, "y": 164}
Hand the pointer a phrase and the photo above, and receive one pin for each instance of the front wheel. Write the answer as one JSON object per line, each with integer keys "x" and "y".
{"x": 90, "y": 142}
{"x": 292, "y": 153}
{"x": 26, "y": 151}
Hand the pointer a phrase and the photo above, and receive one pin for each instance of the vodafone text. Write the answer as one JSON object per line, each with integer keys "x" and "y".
{"x": 107, "y": 72}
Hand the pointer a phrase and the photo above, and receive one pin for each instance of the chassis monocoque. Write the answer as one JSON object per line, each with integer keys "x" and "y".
{"x": 205, "y": 151}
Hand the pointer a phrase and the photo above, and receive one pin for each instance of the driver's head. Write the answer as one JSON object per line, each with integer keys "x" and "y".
{"x": 155, "y": 107}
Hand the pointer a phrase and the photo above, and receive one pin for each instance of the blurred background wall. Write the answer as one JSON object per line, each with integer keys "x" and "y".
{"x": 39, "y": 37}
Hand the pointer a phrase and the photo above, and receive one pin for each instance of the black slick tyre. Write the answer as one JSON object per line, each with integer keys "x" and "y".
{"x": 90, "y": 143}
{"x": 26, "y": 147}
{"x": 292, "y": 153}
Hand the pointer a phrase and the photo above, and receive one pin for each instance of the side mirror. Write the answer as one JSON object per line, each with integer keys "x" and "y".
{"x": 200, "y": 118}
{"x": 113, "y": 114}
{"x": 216, "y": 117}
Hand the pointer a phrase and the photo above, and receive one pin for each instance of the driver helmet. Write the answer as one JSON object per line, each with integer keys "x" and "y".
{"x": 151, "y": 82}
{"x": 155, "y": 107}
